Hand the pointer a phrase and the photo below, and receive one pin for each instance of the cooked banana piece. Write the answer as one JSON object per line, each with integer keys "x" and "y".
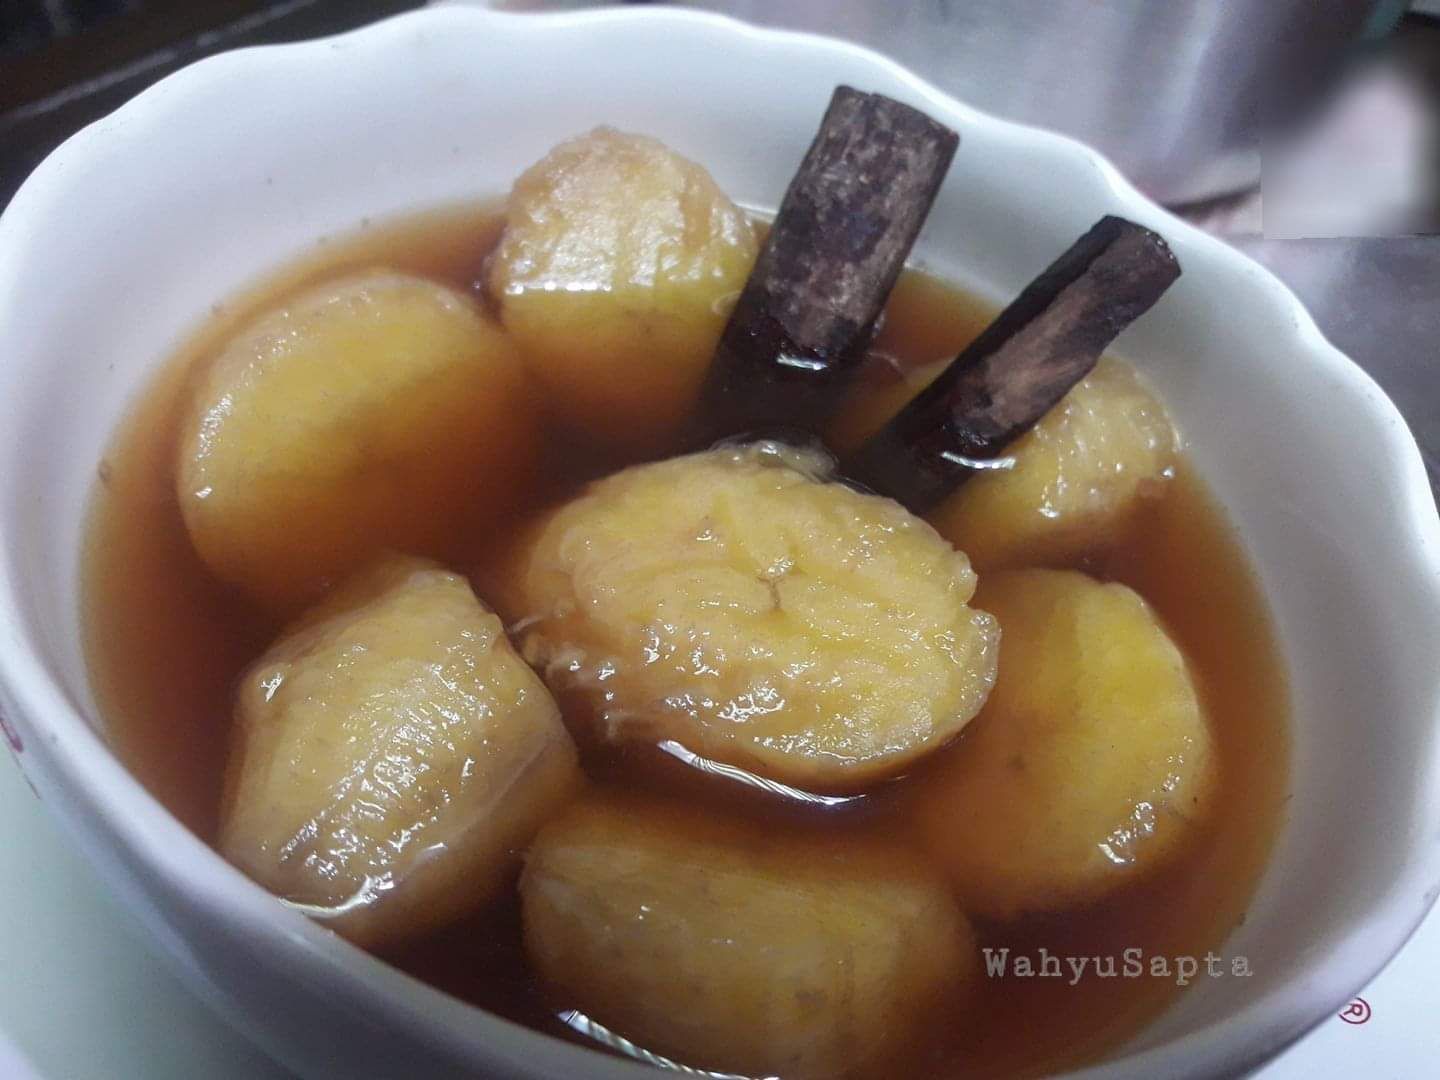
{"x": 1092, "y": 762}
{"x": 741, "y": 948}
{"x": 393, "y": 755}
{"x": 366, "y": 413}
{"x": 733, "y": 602}
{"x": 617, "y": 269}
{"x": 1080, "y": 476}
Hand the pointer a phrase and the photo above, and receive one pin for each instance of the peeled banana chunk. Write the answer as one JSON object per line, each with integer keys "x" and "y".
{"x": 1080, "y": 475}
{"x": 736, "y": 603}
{"x": 617, "y": 268}
{"x": 1092, "y": 762}
{"x": 393, "y": 754}
{"x": 741, "y": 948}
{"x": 366, "y": 413}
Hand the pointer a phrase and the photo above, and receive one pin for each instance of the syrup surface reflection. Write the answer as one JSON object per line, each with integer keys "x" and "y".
{"x": 578, "y": 1022}
{"x": 750, "y": 779}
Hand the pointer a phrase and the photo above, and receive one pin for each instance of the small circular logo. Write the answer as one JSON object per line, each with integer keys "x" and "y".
{"x": 1357, "y": 1012}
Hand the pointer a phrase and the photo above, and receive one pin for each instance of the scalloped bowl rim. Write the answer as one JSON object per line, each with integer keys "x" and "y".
{"x": 67, "y": 747}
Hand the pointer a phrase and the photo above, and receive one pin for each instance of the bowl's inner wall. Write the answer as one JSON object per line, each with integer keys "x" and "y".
{"x": 115, "y": 257}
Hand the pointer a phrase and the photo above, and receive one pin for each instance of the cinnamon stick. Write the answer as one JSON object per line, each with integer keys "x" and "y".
{"x": 838, "y": 242}
{"x": 1019, "y": 367}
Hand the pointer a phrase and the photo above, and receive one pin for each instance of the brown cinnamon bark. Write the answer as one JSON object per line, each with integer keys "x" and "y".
{"x": 840, "y": 239}
{"x": 1019, "y": 367}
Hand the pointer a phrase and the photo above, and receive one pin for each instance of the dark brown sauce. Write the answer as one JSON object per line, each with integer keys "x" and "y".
{"x": 165, "y": 645}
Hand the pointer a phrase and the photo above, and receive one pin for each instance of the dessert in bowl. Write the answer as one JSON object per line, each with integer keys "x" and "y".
{"x": 197, "y": 195}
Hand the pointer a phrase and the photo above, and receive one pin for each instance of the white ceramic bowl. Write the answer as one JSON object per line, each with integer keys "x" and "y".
{"x": 122, "y": 239}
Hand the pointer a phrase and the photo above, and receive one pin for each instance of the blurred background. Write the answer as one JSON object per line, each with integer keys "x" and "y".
{"x": 1305, "y": 132}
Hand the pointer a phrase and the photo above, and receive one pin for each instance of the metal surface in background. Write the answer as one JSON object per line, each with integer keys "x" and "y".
{"x": 1170, "y": 90}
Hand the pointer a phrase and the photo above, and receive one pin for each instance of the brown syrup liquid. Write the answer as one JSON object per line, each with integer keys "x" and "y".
{"x": 166, "y": 644}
